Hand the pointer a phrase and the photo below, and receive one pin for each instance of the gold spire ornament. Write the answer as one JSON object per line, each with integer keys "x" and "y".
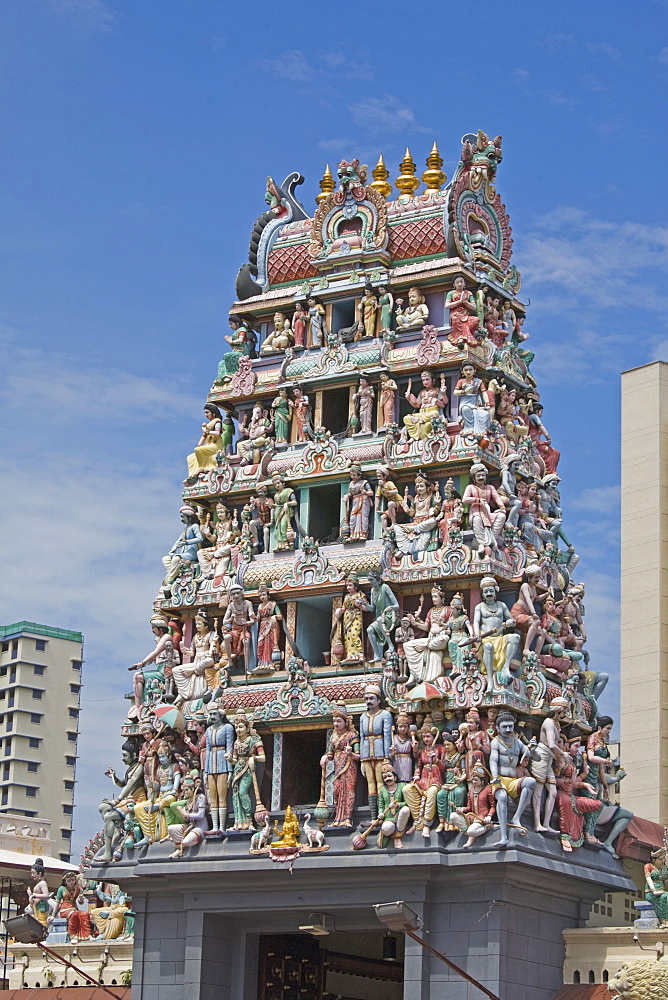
{"x": 327, "y": 185}
{"x": 433, "y": 176}
{"x": 407, "y": 182}
{"x": 380, "y": 178}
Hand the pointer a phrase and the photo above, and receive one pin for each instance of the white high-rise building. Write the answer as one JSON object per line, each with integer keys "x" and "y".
{"x": 40, "y": 685}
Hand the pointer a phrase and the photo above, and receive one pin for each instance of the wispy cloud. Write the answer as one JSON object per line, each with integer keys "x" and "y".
{"x": 95, "y": 15}
{"x": 605, "y": 49}
{"x": 557, "y": 98}
{"x": 294, "y": 65}
{"x": 385, "y": 115}
{"x": 663, "y": 56}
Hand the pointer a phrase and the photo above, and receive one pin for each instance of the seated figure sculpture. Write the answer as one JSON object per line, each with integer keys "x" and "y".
{"x": 416, "y": 313}
{"x": 491, "y": 623}
{"x": 430, "y": 402}
{"x": 281, "y": 336}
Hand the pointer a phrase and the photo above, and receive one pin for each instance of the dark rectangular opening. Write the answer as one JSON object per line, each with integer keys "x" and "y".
{"x": 314, "y": 627}
{"x": 301, "y": 773}
{"x": 343, "y": 315}
{"x": 336, "y": 409}
{"x": 324, "y": 517}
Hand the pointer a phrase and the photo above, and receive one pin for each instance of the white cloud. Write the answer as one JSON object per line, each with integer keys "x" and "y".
{"x": 290, "y": 65}
{"x": 605, "y": 49}
{"x": 293, "y": 64}
{"x": 599, "y": 500}
{"x": 385, "y": 115}
{"x": 95, "y": 15}
{"x": 663, "y": 56}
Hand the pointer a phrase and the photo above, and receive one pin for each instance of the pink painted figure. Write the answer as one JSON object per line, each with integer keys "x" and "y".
{"x": 388, "y": 395}
{"x": 542, "y": 440}
{"x": 301, "y": 406}
{"x": 299, "y": 321}
{"x": 464, "y": 320}
{"x": 487, "y": 513}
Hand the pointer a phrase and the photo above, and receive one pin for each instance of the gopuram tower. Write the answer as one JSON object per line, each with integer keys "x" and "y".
{"x": 370, "y": 680}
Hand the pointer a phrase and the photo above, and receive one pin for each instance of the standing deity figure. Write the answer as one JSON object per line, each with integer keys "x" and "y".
{"x": 218, "y": 747}
{"x": 473, "y": 741}
{"x": 524, "y": 611}
{"x": 39, "y": 893}
{"x": 375, "y": 741}
{"x": 424, "y": 657}
{"x": 421, "y": 793}
{"x": 656, "y": 884}
{"x": 386, "y": 611}
{"x": 269, "y": 620}
{"x": 192, "y": 827}
{"x": 386, "y": 303}
{"x": 281, "y": 413}
{"x": 452, "y": 793}
{"x": 190, "y": 678}
{"x": 183, "y": 552}
{"x": 542, "y": 439}
{"x": 164, "y": 657}
{"x": 403, "y": 748}
{"x": 572, "y": 805}
{"x": 473, "y": 405}
{"x": 301, "y": 409}
{"x": 508, "y": 490}
{"x": 253, "y": 435}
{"x": 542, "y": 764}
{"x": 343, "y": 749}
{"x": 281, "y": 336}
{"x": 387, "y": 397}
{"x": 237, "y": 622}
{"x": 247, "y": 752}
{"x": 487, "y": 523}
{"x": 284, "y": 504}
{"x": 491, "y": 621}
{"x": 464, "y": 319}
{"x": 73, "y": 906}
{"x": 367, "y": 311}
{"x": 242, "y": 343}
{"x": 430, "y": 402}
{"x": 416, "y": 313}
{"x": 316, "y": 320}
{"x": 461, "y": 633}
{"x": 387, "y": 496}
{"x": 261, "y": 506}
{"x": 358, "y": 502}
{"x": 209, "y": 444}
{"x": 507, "y": 755}
{"x": 113, "y": 811}
{"x": 299, "y": 321}
{"x": 451, "y": 514}
{"x": 221, "y": 537}
{"x": 393, "y": 808}
{"x": 350, "y": 616}
{"x": 476, "y": 817}
{"x": 363, "y": 401}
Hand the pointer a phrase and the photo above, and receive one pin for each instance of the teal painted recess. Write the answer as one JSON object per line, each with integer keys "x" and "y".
{"x": 21, "y": 628}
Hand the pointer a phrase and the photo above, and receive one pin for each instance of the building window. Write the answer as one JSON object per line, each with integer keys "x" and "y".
{"x": 10, "y": 723}
{"x": 33, "y": 742}
{"x": 12, "y": 676}
{"x": 75, "y": 688}
{"x": 15, "y": 649}
{"x": 64, "y": 857}
{"x": 8, "y": 748}
{"x": 69, "y": 785}
{"x": 29, "y": 812}
{"x": 32, "y": 765}
{"x": 5, "y": 647}
{"x": 39, "y": 670}
{"x": 5, "y": 797}
{"x": 10, "y": 700}
{"x": 5, "y": 772}
{"x": 3, "y": 695}
{"x": 68, "y": 810}
{"x": 40, "y": 644}
{"x": 72, "y": 737}
{"x": 31, "y": 792}
{"x": 37, "y": 694}
{"x": 77, "y": 664}
{"x": 74, "y": 713}
{"x": 70, "y": 761}
{"x": 35, "y": 717}
{"x": 66, "y": 834}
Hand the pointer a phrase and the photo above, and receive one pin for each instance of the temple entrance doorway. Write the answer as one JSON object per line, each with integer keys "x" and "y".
{"x": 337, "y": 966}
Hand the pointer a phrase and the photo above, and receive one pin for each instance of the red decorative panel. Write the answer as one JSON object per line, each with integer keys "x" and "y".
{"x": 288, "y": 263}
{"x": 417, "y": 238}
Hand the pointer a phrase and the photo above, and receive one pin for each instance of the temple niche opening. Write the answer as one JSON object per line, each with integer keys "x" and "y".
{"x": 370, "y": 660}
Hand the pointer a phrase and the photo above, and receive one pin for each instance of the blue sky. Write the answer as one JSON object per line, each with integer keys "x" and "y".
{"x": 137, "y": 137}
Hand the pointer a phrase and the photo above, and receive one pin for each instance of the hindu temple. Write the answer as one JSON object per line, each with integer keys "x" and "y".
{"x": 365, "y": 679}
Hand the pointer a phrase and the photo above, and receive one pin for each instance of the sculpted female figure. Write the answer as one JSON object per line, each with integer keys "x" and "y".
{"x": 367, "y": 311}
{"x": 425, "y": 656}
{"x": 285, "y": 503}
{"x": 358, "y": 501}
{"x": 473, "y": 408}
{"x": 473, "y": 742}
{"x": 38, "y": 895}
{"x": 280, "y": 411}
{"x": 428, "y": 777}
{"x": 317, "y": 327}
{"x": 388, "y": 395}
{"x": 452, "y": 793}
{"x": 656, "y": 884}
{"x": 430, "y": 402}
{"x": 460, "y": 631}
{"x": 269, "y": 632}
{"x": 190, "y": 678}
{"x": 416, "y": 313}
{"x": 363, "y": 400}
{"x": 350, "y": 614}
{"x": 211, "y": 442}
{"x": 301, "y": 407}
{"x": 386, "y": 303}
{"x": 247, "y": 752}
{"x": 299, "y": 321}
{"x": 343, "y": 748}
{"x": 403, "y": 748}
{"x": 281, "y": 337}
{"x": 464, "y": 320}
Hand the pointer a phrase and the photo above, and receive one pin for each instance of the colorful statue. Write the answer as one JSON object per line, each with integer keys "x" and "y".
{"x": 487, "y": 514}
{"x": 545, "y": 753}
{"x": 151, "y": 683}
{"x": 473, "y": 741}
{"x": 114, "y": 811}
{"x": 385, "y": 608}
{"x": 386, "y": 303}
{"x": 281, "y": 415}
{"x": 192, "y": 826}
{"x": 299, "y": 321}
{"x": 656, "y": 884}
{"x": 421, "y": 793}
{"x": 367, "y": 310}
{"x": 269, "y": 618}
{"x": 507, "y": 757}
{"x": 395, "y": 812}
{"x": 464, "y": 320}
{"x": 254, "y": 433}
{"x": 416, "y": 313}
{"x": 343, "y": 749}
{"x": 316, "y": 319}
{"x": 477, "y": 816}
{"x": 524, "y": 611}
{"x": 237, "y": 622}
{"x": 430, "y": 402}
{"x": 350, "y": 616}
{"x": 242, "y": 343}
{"x": 39, "y": 894}
{"x": 280, "y": 338}
{"x": 473, "y": 404}
{"x": 388, "y": 397}
{"x": 363, "y": 401}
{"x": 387, "y": 496}
{"x": 358, "y": 502}
{"x": 403, "y": 748}
{"x": 285, "y": 503}
{"x": 542, "y": 440}
{"x": 109, "y": 919}
{"x": 261, "y": 515}
{"x": 375, "y": 740}
{"x": 247, "y": 752}
{"x": 183, "y": 553}
{"x": 461, "y": 633}
{"x": 209, "y": 444}
{"x": 491, "y": 621}
{"x": 218, "y": 747}
{"x": 73, "y": 906}
{"x": 598, "y": 759}
{"x": 452, "y": 793}
{"x": 190, "y": 678}
{"x": 572, "y": 808}
{"x": 424, "y": 657}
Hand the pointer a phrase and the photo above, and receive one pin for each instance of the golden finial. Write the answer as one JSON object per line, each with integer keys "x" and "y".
{"x": 327, "y": 185}
{"x": 433, "y": 176}
{"x": 407, "y": 182}
{"x": 380, "y": 181}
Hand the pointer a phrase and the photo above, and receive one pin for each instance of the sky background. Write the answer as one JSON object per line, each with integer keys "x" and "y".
{"x": 137, "y": 137}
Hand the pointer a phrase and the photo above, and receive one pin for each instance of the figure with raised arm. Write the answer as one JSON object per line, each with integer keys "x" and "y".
{"x": 430, "y": 403}
{"x": 416, "y": 313}
{"x": 524, "y": 611}
{"x": 386, "y": 610}
{"x": 487, "y": 513}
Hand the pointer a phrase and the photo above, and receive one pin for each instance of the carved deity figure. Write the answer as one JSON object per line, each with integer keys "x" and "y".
{"x": 299, "y": 321}
{"x": 269, "y": 620}
{"x": 416, "y": 313}
{"x": 242, "y": 342}
{"x": 424, "y": 657}
{"x": 237, "y": 621}
{"x": 403, "y": 748}
{"x": 301, "y": 409}
{"x": 151, "y": 683}
{"x": 491, "y": 621}
{"x": 350, "y": 617}
{"x": 254, "y": 434}
{"x": 190, "y": 678}
{"x": 363, "y": 401}
{"x": 343, "y": 749}
{"x": 387, "y": 398}
{"x": 261, "y": 510}
{"x": 375, "y": 739}
{"x": 367, "y": 311}
{"x": 506, "y": 764}
{"x": 387, "y": 496}
{"x": 464, "y": 320}
{"x": 430, "y": 402}
{"x": 316, "y": 320}
{"x": 524, "y": 610}
{"x": 281, "y": 414}
{"x": 473, "y": 406}
{"x": 209, "y": 444}
{"x": 247, "y": 753}
{"x": 281, "y": 336}
{"x": 421, "y": 793}
{"x": 183, "y": 552}
{"x": 219, "y": 744}
{"x": 385, "y": 607}
{"x": 386, "y": 303}
{"x": 487, "y": 514}
{"x": 73, "y": 906}
{"x": 358, "y": 502}
{"x": 285, "y": 503}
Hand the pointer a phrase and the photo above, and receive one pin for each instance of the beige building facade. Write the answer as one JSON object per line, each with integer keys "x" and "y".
{"x": 40, "y": 686}
{"x": 644, "y": 590}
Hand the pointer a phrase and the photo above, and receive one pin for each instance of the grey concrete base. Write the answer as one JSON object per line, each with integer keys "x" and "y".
{"x": 499, "y": 914}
